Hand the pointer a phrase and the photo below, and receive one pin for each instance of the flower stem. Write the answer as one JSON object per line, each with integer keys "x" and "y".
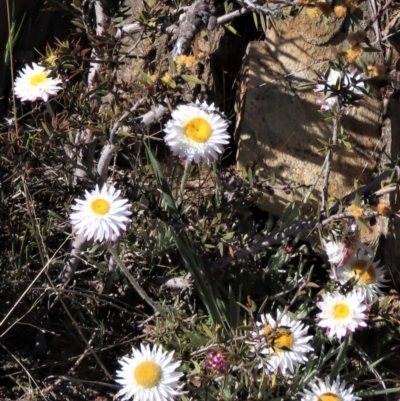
{"x": 218, "y": 184}
{"x": 49, "y": 109}
{"x": 185, "y": 178}
{"x": 134, "y": 283}
{"x": 328, "y": 163}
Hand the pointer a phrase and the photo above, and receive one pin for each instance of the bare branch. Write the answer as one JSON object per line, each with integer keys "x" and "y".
{"x": 78, "y": 246}
{"x": 196, "y": 18}
{"x": 104, "y": 163}
{"x": 149, "y": 118}
{"x": 294, "y": 229}
{"x": 288, "y": 232}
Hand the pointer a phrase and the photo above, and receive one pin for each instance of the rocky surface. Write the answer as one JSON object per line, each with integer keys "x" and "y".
{"x": 280, "y": 128}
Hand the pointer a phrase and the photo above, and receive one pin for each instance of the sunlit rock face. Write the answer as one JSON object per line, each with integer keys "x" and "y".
{"x": 280, "y": 127}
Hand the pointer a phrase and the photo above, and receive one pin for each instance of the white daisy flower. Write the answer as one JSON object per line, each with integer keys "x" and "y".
{"x": 148, "y": 375}
{"x": 197, "y": 132}
{"x": 368, "y": 277}
{"x": 34, "y": 83}
{"x": 324, "y": 390}
{"x": 285, "y": 343}
{"x": 101, "y": 216}
{"x": 341, "y": 313}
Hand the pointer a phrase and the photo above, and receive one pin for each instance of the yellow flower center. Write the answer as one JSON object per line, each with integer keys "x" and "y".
{"x": 147, "y": 374}
{"x": 198, "y": 129}
{"x": 341, "y": 311}
{"x": 100, "y": 206}
{"x": 266, "y": 330}
{"x": 38, "y": 79}
{"x": 369, "y": 275}
{"x": 284, "y": 341}
{"x": 329, "y": 397}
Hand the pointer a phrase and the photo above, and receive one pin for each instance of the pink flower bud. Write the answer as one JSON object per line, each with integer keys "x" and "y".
{"x": 289, "y": 249}
{"x": 215, "y": 361}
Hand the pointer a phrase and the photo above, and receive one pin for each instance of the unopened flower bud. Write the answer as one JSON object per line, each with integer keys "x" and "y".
{"x": 216, "y": 361}
{"x": 289, "y": 249}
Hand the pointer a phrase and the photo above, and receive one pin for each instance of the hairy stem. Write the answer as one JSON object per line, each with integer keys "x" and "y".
{"x": 328, "y": 163}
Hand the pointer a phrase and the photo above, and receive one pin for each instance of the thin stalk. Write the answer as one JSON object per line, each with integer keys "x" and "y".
{"x": 11, "y": 65}
{"x": 49, "y": 109}
{"x": 328, "y": 163}
{"x": 185, "y": 178}
{"x": 134, "y": 283}
{"x": 218, "y": 184}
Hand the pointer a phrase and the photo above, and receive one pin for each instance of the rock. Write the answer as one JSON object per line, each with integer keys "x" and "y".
{"x": 389, "y": 250}
{"x": 280, "y": 128}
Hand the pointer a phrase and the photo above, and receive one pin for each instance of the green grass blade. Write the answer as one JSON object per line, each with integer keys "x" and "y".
{"x": 202, "y": 276}
{"x": 340, "y": 360}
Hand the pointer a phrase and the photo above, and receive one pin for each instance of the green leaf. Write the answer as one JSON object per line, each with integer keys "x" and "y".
{"x": 145, "y": 77}
{"x": 340, "y": 359}
{"x": 171, "y": 64}
{"x": 196, "y": 340}
{"x": 262, "y": 20}
{"x": 207, "y": 330}
{"x": 378, "y": 392}
{"x": 255, "y": 19}
{"x": 313, "y": 285}
{"x": 229, "y": 235}
{"x": 191, "y": 78}
{"x": 232, "y": 29}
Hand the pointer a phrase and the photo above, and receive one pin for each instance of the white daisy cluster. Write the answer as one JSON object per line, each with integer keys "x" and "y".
{"x": 284, "y": 344}
{"x": 35, "y": 83}
{"x": 197, "y": 131}
{"x": 148, "y": 375}
{"x": 102, "y": 216}
{"x": 340, "y": 89}
{"x": 361, "y": 278}
{"x": 325, "y": 390}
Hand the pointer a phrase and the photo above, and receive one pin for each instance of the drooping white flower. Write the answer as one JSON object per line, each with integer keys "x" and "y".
{"x": 368, "y": 277}
{"x": 148, "y": 375}
{"x": 34, "y": 83}
{"x": 344, "y": 245}
{"x": 285, "y": 344}
{"x": 338, "y": 252}
{"x": 324, "y": 390}
{"x": 197, "y": 132}
{"x": 101, "y": 216}
{"x": 346, "y": 84}
{"x": 341, "y": 313}
{"x": 326, "y": 96}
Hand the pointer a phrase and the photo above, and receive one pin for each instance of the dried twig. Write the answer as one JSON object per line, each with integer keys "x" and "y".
{"x": 288, "y": 232}
{"x": 76, "y": 364}
{"x": 43, "y": 257}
